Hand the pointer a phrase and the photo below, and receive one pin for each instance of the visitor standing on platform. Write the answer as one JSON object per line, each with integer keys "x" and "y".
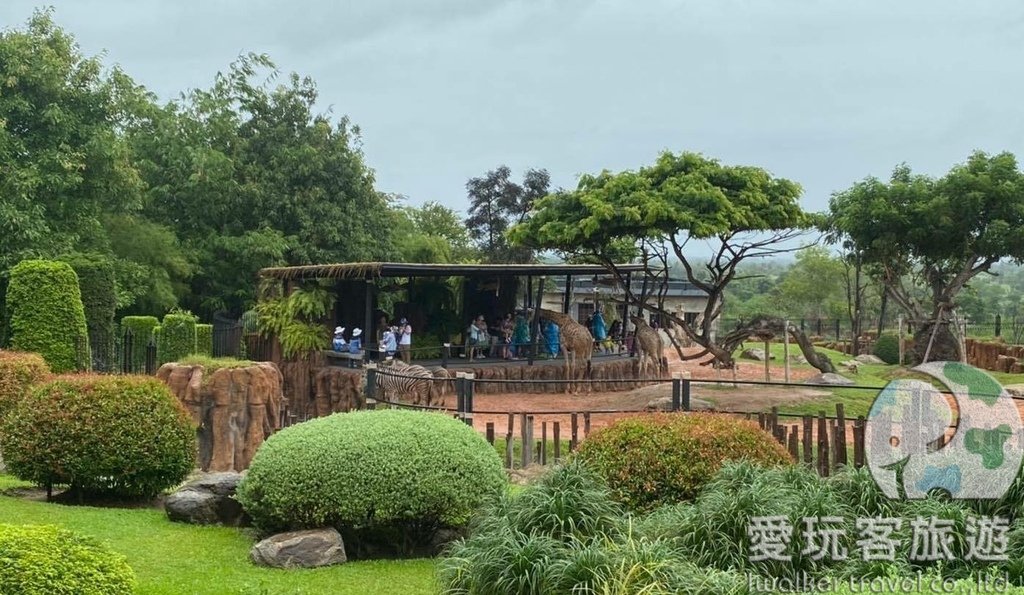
{"x": 405, "y": 341}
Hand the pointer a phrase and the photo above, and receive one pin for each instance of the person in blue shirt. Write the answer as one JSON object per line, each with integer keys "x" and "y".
{"x": 338, "y": 344}
{"x": 551, "y": 333}
{"x": 388, "y": 344}
{"x": 356, "y": 344}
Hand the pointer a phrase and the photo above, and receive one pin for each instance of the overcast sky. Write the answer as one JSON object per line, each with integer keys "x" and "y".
{"x": 823, "y": 93}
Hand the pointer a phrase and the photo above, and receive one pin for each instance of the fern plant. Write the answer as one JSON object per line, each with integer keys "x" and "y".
{"x": 295, "y": 319}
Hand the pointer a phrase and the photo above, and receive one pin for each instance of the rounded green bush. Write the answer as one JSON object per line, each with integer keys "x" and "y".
{"x": 659, "y": 459}
{"x": 38, "y": 559}
{"x": 177, "y": 337}
{"x": 121, "y": 436}
{"x": 368, "y": 472}
{"x": 46, "y": 313}
{"x": 887, "y": 348}
{"x": 19, "y": 371}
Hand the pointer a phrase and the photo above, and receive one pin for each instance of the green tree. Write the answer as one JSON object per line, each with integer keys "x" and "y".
{"x": 249, "y": 175}
{"x": 936, "y": 235}
{"x": 496, "y": 203}
{"x": 744, "y": 211}
{"x": 814, "y": 286}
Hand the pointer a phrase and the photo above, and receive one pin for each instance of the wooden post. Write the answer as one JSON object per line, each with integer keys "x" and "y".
{"x": 535, "y": 325}
{"x": 767, "y": 361}
{"x": 543, "y": 443}
{"x": 808, "y": 431}
{"x": 574, "y": 430}
{"x": 899, "y": 333}
{"x": 785, "y": 350}
{"x": 686, "y": 392}
{"x": 524, "y": 439}
{"x": 794, "y": 442}
{"x": 508, "y": 440}
{"x": 822, "y": 445}
{"x": 761, "y": 420}
{"x": 567, "y": 301}
{"x": 557, "y": 435}
{"x": 528, "y": 443}
{"x": 841, "y": 434}
{"x": 490, "y": 433}
{"x": 774, "y": 419}
{"x": 677, "y": 392}
{"x": 586, "y": 424}
{"x": 858, "y": 442}
{"x": 368, "y": 318}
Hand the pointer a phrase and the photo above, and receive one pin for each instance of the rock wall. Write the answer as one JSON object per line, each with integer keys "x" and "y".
{"x": 236, "y": 409}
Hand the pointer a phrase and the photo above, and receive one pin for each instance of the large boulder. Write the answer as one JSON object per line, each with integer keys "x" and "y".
{"x": 830, "y": 379}
{"x": 665, "y": 404}
{"x": 867, "y": 358}
{"x": 236, "y": 409}
{"x": 300, "y": 549}
{"x": 207, "y": 500}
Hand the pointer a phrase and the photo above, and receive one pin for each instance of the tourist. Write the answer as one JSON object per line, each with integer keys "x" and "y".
{"x": 551, "y": 333}
{"x": 507, "y": 329}
{"x": 388, "y": 345}
{"x": 405, "y": 341}
{"x": 338, "y": 344}
{"x": 520, "y": 336}
{"x": 356, "y": 344}
{"x": 615, "y": 333}
{"x": 474, "y": 338}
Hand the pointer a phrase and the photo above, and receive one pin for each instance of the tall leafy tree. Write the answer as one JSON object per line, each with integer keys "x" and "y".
{"x": 496, "y": 203}
{"x": 744, "y": 212}
{"x": 934, "y": 234}
{"x": 249, "y": 175}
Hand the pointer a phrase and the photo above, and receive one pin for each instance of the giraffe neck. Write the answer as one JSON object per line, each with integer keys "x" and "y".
{"x": 557, "y": 317}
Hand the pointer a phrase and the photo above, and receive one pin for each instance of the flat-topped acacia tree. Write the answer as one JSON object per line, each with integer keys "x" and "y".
{"x": 741, "y": 211}
{"x": 926, "y": 238}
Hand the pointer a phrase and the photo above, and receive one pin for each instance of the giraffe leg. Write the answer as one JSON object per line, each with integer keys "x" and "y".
{"x": 568, "y": 377}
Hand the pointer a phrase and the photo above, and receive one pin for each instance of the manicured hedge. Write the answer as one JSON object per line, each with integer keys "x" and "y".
{"x": 38, "y": 559}
{"x": 141, "y": 329}
{"x": 887, "y": 348}
{"x": 390, "y": 477}
{"x": 125, "y": 436}
{"x": 177, "y": 338}
{"x": 666, "y": 458}
{"x": 99, "y": 298}
{"x": 19, "y": 371}
{"x": 204, "y": 340}
{"x": 46, "y": 314}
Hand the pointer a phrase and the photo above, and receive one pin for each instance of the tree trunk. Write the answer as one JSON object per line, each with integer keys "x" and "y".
{"x": 945, "y": 346}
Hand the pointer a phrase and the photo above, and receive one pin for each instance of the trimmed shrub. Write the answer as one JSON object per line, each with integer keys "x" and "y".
{"x": 19, "y": 371}
{"x": 99, "y": 298}
{"x": 887, "y": 348}
{"x": 665, "y": 458}
{"x": 383, "y": 478}
{"x": 141, "y": 328}
{"x": 122, "y": 436}
{"x": 204, "y": 340}
{"x": 46, "y": 314}
{"x": 177, "y": 338}
{"x": 36, "y": 559}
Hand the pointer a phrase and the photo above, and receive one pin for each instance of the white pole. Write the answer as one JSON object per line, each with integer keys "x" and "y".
{"x": 899, "y": 326}
{"x": 785, "y": 350}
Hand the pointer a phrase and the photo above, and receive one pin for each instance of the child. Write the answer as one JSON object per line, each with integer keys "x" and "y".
{"x": 338, "y": 344}
{"x": 387, "y": 342}
{"x": 356, "y": 344}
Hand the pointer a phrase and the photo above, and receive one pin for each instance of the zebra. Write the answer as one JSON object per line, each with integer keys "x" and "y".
{"x": 441, "y": 385}
{"x": 403, "y": 380}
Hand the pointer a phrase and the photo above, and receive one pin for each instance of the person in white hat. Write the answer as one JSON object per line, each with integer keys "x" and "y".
{"x": 338, "y": 343}
{"x": 356, "y": 344}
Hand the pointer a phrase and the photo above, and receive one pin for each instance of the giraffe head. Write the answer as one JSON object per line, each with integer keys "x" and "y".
{"x": 637, "y": 320}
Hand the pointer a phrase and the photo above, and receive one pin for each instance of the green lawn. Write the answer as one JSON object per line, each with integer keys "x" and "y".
{"x": 175, "y": 559}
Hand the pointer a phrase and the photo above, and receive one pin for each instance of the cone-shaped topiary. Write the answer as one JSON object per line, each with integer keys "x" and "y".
{"x": 47, "y": 317}
{"x": 99, "y": 298}
{"x": 387, "y": 477}
{"x": 204, "y": 340}
{"x": 48, "y": 559}
{"x": 666, "y": 458}
{"x": 123, "y": 436}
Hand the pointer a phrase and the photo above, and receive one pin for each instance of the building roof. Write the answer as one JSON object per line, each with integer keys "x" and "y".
{"x": 676, "y": 287}
{"x": 374, "y": 270}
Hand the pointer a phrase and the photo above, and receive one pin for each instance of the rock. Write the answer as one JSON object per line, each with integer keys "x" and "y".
{"x": 236, "y": 409}
{"x": 207, "y": 500}
{"x": 1015, "y": 390}
{"x": 754, "y": 354}
{"x": 798, "y": 359}
{"x": 300, "y": 549}
{"x": 867, "y": 358}
{"x": 829, "y": 379}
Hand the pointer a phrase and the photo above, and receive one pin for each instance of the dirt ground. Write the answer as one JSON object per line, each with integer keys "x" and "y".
{"x": 547, "y": 409}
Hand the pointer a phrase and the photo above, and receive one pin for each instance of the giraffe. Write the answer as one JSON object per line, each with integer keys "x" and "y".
{"x": 576, "y": 340}
{"x": 649, "y": 345}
